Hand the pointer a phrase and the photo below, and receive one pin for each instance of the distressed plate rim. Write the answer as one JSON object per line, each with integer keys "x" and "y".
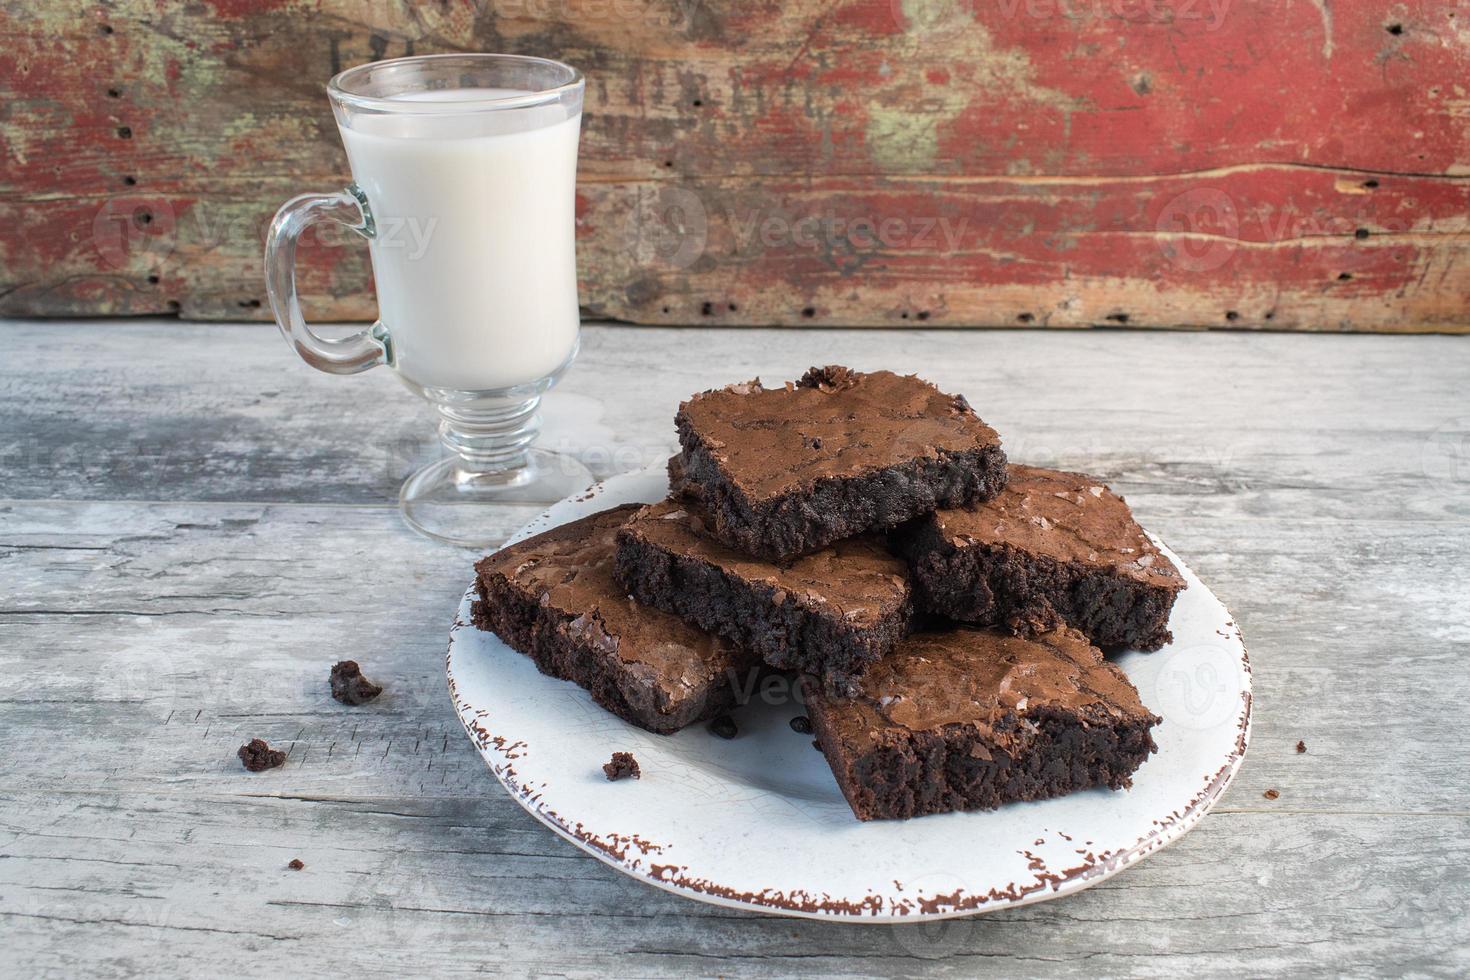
{"x": 631, "y": 853}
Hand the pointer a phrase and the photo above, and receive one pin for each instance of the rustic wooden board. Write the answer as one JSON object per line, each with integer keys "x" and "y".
{"x": 1299, "y": 165}
{"x": 1212, "y": 426}
{"x": 218, "y": 623}
{"x": 185, "y": 546}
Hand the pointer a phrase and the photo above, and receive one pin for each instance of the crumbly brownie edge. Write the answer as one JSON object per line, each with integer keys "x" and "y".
{"x": 541, "y": 633}
{"x": 782, "y": 632}
{"x": 831, "y": 509}
{"x": 920, "y": 773}
{"x": 995, "y": 585}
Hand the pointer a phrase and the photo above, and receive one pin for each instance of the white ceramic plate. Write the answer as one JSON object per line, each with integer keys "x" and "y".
{"x": 758, "y": 823}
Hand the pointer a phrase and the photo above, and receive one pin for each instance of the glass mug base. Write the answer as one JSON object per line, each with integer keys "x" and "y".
{"x": 446, "y": 502}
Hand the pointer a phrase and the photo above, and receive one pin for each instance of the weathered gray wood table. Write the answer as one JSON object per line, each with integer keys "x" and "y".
{"x": 194, "y": 525}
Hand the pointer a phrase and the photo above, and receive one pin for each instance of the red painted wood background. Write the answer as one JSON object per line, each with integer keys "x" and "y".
{"x": 1301, "y": 164}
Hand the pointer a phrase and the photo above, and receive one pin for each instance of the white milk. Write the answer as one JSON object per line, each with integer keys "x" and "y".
{"x": 475, "y": 258}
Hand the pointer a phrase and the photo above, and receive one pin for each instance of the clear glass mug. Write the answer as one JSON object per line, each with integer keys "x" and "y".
{"x": 464, "y": 185}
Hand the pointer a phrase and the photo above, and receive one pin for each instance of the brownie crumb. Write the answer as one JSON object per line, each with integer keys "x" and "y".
{"x": 622, "y": 765}
{"x": 1271, "y": 794}
{"x": 801, "y": 725}
{"x": 296, "y": 864}
{"x": 349, "y": 686}
{"x": 257, "y": 756}
{"x": 724, "y": 727}
{"x": 833, "y": 377}
{"x": 1301, "y": 746}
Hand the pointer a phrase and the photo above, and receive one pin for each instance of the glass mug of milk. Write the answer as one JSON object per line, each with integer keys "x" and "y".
{"x": 464, "y": 185}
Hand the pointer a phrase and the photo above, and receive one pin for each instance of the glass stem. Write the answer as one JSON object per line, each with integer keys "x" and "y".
{"x": 490, "y": 440}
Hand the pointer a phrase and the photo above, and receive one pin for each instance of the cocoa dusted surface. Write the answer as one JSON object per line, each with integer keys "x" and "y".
{"x": 970, "y": 719}
{"x": 833, "y": 612}
{"x": 1070, "y": 517}
{"x": 554, "y": 597}
{"x": 834, "y": 423}
{"x": 1052, "y": 549}
{"x": 785, "y": 471}
{"x": 857, "y": 580}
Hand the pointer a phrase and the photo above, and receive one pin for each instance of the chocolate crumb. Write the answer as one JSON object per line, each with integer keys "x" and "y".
{"x": 801, "y": 725}
{"x": 257, "y": 756}
{"x": 1271, "y": 794}
{"x": 622, "y": 765}
{"x": 1301, "y": 746}
{"x": 833, "y": 377}
{"x": 296, "y": 864}
{"x": 724, "y": 727}
{"x": 349, "y": 686}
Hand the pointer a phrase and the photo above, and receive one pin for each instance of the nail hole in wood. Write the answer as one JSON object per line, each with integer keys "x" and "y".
{"x": 922, "y": 315}
{"x": 153, "y": 280}
{"x": 130, "y": 180}
{"x": 1118, "y": 317}
{"x": 808, "y": 312}
{"x": 126, "y": 132}
{"x": 1232, "y": 315}
{"x": 1026, "y": 318}
{"x": 1370, "y": 184}
{"x": 697, "y": 103}
{"x": 732, "y": 306}
{"x": 1395, "y": 29}
{"x": 1344, "y": 276}
{"x": 1270, "y": 314}
{"x": 173, "y": 305}
{"x": 114, "y": 93}
{"x": 250, "y": 304}
{"x": 708, "y": 309}
{"x": 1360, "y": 234}
{"x": 105, "y": 28}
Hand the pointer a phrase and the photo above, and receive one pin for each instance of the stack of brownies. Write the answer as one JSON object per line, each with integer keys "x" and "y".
{"x": 944, "y": 609}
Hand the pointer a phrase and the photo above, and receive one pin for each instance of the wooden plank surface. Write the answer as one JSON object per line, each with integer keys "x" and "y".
{"x": 193, "y": 526}
{"x": 1208, "y": 163}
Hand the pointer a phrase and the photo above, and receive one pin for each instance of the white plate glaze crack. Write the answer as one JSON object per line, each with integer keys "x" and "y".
{"x": 758, "y": 823}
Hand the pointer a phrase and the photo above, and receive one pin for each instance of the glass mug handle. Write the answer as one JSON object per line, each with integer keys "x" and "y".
{"x": 349, "y": 355}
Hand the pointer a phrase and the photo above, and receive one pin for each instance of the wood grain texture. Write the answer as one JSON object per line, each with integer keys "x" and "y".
{"x": 1063, "y": 163}
{"x": 193, "y": 527}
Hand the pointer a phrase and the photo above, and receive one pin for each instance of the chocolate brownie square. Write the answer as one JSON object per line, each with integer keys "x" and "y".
{"x": 553, "y": 597}
{"x": 971, "y": 719}
{"x": 1053, "y": 548}
{"x": 786, "y": 471}
{"x": 830, "y": 613}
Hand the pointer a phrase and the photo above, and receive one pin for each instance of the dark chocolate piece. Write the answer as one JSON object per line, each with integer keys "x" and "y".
{"x": 801, "y": 725}
{"x": 257, "y": 756}
{"x": 296, "y": 864}
{"x": 1054, "y": 548}
{"x": 622, "y": 766}
{"x": 786, "y": 471}
{"x": 971, "y": 719}
{"x": 553, "y": 598}
{"x": 831, "y": 613}
{"x": 724, "y": 727}
{"x": 349, "y": 686}
{"x": 1301, "y": 747}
